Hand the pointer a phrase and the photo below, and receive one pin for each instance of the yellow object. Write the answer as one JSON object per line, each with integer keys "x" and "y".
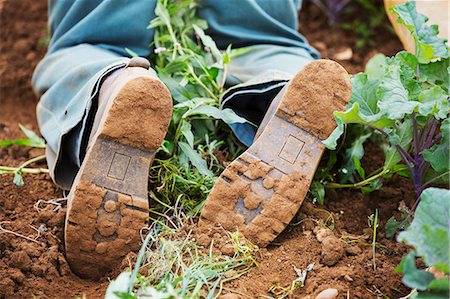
{"x": 438, "y": 12}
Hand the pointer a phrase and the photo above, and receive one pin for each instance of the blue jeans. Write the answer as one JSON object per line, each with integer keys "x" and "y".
{"x": 88, "y": 41}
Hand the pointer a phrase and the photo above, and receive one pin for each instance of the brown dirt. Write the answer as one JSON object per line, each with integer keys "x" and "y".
{"x": 311, "y": 106}
{"x": 39, "y": 267}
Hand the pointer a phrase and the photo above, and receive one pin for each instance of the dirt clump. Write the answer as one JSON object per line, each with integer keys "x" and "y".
{"x": 333, "y": 249}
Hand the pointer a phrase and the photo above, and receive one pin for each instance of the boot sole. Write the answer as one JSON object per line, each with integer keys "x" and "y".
{"x": 259, "y": 193}
{"x": 108, "y": 203}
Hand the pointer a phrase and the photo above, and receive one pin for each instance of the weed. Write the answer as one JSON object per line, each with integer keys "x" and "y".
{"x": 32, "y": 140}
{"x": 284, "y": 292}
{"x": 373, "y": 222}
{"x": 176, "y": 267}
{"x": 194, "y": 69}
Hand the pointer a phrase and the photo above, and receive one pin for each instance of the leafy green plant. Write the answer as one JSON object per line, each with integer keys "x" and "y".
{"x": 402, "y": 102}
{"x": 32, "y": 140}
{"x": 195, "y": 70}
{"x": 428, "y": 234}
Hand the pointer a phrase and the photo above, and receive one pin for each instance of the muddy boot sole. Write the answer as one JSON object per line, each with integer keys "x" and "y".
{"x": 259, "y": 193}
{"x": 108, "y": 203}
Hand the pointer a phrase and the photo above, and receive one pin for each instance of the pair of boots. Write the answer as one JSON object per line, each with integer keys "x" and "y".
{"x": 258, "y": 193}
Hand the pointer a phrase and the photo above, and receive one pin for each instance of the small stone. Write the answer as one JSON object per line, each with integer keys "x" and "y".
{"x": 348, "y": 278}
{"x": 328, "y": 294}
{"x": 110, "y": 206}
{"x": 320, "y": 46}
{"x": 345, "y": 54}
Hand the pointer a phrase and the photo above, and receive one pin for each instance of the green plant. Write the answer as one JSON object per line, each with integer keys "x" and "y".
{"x": 403, "y": 103}
{"x": 194, "y": 69}
{"x": 428, "y": 234}
{"x": 373, "y": 222}
{"x": 176, "y": 267}
{"x": 32, "y": 140}
{"x": 367, "y": 22}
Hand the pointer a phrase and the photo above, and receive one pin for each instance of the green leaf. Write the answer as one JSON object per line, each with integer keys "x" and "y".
{"x": 441, "y": 285}
{"x": 195, "y": 158}
{"x": 434, "y": 101}
{"x": 375, "y": 67}
{"x": 208, "y": 42}
{"x": 186, "y": 131}
{"x": 392, "y": 226}
{"x": 355, "y": 151}
{"x": 393, "y": 97}
{"x": 436, "y": 72}
{"x": 402, "y": 136}
{"x": 429, "y": 231}
{"x": 354, "y": 115}
{"x": 227, "y": 115}
{"x": 32, "y": 141}
{"x": 413, "y": 277}
{"x": 428, "y": 45}
{"x": 364, "y": 93}
{"x": 439, "y": 155}
{"x": 408, "y": 64}
{"x": 318, "y": 192}
{"x": 358, "y": 168}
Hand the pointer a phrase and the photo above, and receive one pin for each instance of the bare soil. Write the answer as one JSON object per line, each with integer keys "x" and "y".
{"x": 342, "y": 256}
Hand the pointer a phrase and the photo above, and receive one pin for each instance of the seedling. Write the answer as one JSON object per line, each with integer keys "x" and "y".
{"x": 33, "y": 140}
{"x": 374, "y": 223}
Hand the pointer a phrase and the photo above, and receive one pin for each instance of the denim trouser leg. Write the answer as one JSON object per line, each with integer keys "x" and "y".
{"x": 88, "y": 42}
{"x": 270, "y": 29}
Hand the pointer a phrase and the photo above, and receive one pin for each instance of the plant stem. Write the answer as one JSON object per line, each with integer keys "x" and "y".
{"x": 374, "y": 240}
{"x": 359, "y": 184}
{"x": 9, "y": 169}
{"x": 416, "y": 136}
{"x": 209, "y": 92}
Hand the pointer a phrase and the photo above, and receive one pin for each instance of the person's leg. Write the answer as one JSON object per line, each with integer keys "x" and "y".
{"x": 279, "y": 86}
{"x": 278, "y": 52}
{"x": 103, "y": 117}
{"x": 88, "y": 42}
